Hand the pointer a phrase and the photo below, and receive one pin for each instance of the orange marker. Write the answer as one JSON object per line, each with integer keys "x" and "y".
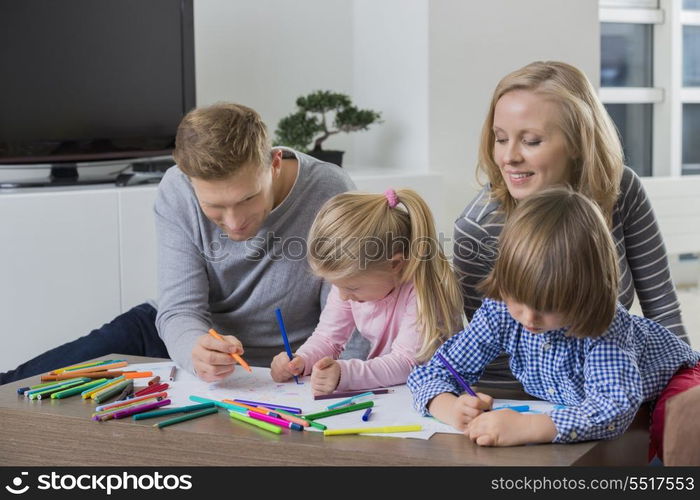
{"x": 292, "y": 418}
{"x": 132, "y": 375}
{"x": 262, "y": 411}
{"x": 237, "y": 357}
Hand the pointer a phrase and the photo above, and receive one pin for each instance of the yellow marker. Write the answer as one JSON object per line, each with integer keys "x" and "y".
{"x": 84, "y": 365}
{"x": 373, "y": 430}
{"x": 89, "y": 394}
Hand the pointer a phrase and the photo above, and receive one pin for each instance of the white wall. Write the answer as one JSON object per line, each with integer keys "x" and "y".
{"x": 390, "y": 73}
{"x": 472, "y": 45}
{"x": 428, "y": 65}
{"x": 266, "y": 53}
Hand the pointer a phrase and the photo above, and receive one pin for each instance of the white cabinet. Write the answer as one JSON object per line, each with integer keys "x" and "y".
{"x": 59, "y": 254}
{"x": 74, "y": 258}
{"x": 137, "y": 245}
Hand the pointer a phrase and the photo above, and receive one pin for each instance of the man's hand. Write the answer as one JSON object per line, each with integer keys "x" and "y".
{"x": 325, "y": 376}
{"x": 282, "y": 369}
{"x": 212, "y": 359}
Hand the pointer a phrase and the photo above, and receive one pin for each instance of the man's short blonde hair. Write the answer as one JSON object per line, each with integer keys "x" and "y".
{"x": 214, "y": 142}
{"x": 556, "y": 255}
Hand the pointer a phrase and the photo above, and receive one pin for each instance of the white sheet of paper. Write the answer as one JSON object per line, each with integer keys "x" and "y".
{"x": 394, "y": 408}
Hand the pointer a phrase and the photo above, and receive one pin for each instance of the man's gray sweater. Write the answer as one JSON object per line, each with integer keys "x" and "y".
{"x": 206, "y": 280}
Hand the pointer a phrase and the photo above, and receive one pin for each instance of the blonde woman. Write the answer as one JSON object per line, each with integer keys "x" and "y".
{"x": 390, "y": 280}
{"x": 552, "y": 306}
{"x": 546, "y": 127}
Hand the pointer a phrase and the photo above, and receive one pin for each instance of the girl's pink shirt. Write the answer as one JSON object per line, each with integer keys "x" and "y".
{"x": 390, "y": 326}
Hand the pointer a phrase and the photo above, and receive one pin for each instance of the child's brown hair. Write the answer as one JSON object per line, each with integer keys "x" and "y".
{"x": 557, "y": 255}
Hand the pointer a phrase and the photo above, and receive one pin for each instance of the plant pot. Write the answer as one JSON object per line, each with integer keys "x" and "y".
{"x": 335, "y": 157}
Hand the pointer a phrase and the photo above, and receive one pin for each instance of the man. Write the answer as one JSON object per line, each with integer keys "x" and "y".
{"x": 231, "y": 220}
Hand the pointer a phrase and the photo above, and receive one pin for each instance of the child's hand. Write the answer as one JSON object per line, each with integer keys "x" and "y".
{"x": 325, "y": 376}
{"x": 459, "y": 411}
{"x": 282, "y": 369}
{"x": 510, "y": 428}
{"x": 212, "y": 359}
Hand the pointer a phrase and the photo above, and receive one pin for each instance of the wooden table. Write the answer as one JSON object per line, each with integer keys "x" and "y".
{"x": 60, "y": 433}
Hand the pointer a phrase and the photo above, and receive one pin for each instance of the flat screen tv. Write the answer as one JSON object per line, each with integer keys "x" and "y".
{"x": 88, "y": 82}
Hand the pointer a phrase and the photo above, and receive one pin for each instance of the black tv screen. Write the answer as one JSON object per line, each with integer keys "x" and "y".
{"x": 90, "y": 80}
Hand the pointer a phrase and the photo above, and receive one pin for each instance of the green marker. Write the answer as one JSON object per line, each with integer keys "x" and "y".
{"x": 187, "y": 416}
{"x": 50, "y": 390}
{"x": 258, "y": 423}
{"x": 338, "y": 411}
{"x": 53, "y": 385}
{"x": 76, "y": 390}
{"x": 45, "y": 384}
{"x": 113, "y": 390}
{"x": 169, "y": 411}
{"x": 84, "y": 394}
{"x": 220, "y": 404}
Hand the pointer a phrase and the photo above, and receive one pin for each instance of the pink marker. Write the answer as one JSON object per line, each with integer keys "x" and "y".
{"x": 141, "y": 408}
{"x": 275, "y": 421}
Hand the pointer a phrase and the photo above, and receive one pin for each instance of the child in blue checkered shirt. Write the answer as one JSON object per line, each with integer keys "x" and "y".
{"x": 552, "y": 307}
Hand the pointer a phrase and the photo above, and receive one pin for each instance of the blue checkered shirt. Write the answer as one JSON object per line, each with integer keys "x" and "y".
{"x": 602, "y": 381}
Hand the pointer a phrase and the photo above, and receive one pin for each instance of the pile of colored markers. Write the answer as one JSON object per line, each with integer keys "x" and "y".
{"x": 94, "y": 378}
{"x": 100, "y": 382}
{"x": 273, "y": 417}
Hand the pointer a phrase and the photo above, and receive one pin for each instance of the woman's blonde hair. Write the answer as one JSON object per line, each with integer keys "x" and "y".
{"x": 354, "y": 232}
{"x": 557, "y": 255}
{"x": 592, "y": 139}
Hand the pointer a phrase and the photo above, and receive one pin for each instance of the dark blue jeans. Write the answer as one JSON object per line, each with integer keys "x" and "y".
{"x": 133, "y": 332}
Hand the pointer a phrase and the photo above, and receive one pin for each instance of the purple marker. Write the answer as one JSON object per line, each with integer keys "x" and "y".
{"x": 454, "y": 373}
{"x": 141, "y": 408}
{"x": 271, "y": 406}
{"x": 365, "y": 415}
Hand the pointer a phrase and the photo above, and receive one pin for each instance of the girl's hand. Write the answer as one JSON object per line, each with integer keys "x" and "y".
{"x": 282, "y": 369}
{"x": 459, "y": 411}
{"x": 212, "y": 359}
{"x": 510, "y": 428}
{"x": 325, "y": 376}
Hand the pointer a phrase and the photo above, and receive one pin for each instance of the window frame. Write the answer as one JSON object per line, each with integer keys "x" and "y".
{"x": 667, "y": 95}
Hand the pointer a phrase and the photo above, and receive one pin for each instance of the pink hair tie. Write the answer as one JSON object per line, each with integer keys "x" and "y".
{"x": 391, "y": 197}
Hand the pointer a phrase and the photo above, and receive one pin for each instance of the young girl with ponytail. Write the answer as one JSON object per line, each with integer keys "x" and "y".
{"x": 390, "y": 280}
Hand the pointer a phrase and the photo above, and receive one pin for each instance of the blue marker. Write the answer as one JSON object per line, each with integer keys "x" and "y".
{"x": 349, "y": 401}
{"x": 520, "y": 409}
{"x": 280, "y": 321}
{"x": 365, "y": 415}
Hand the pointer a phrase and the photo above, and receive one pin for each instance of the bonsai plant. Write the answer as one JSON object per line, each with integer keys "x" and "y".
{"x": 307, "y": 128}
